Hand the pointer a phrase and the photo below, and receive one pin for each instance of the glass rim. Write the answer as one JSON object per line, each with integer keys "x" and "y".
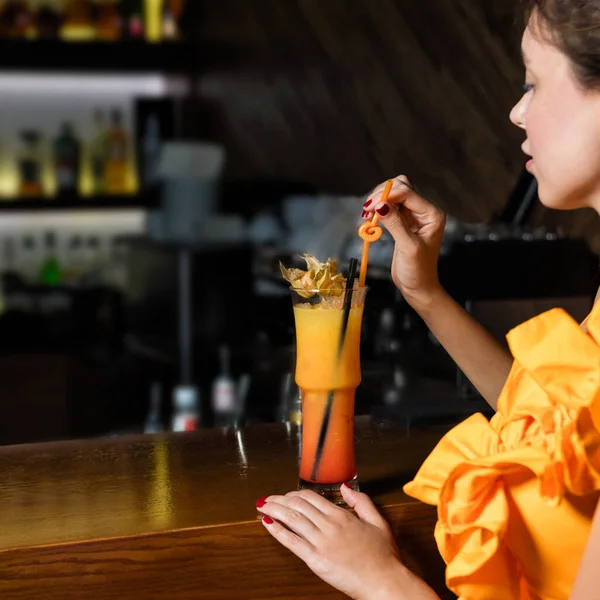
{"x": 326, "y": 292}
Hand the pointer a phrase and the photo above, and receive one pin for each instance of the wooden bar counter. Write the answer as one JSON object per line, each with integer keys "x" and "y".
{"x": 172, "y": 516}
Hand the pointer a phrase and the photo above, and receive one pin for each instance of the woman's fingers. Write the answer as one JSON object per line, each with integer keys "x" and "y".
{"x": 296, "y": 514}
{"x": 364, "y": 507}
{"x": 402, "y": 193}
{"x": 401, "y": 188}
{"x": 292, "y": 541}
{"x": 319, "y": 502}
{"x": 311, "y": 505}
{"x": 406, "y": 214}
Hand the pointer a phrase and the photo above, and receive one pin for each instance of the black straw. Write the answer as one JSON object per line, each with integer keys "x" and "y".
{"x": 329, "y": 405}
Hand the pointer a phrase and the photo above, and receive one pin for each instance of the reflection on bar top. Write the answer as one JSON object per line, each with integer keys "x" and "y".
{"x": 136, "y": 485}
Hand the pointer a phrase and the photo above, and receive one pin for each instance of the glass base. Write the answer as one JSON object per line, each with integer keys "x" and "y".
{"x": 330, "y": 491}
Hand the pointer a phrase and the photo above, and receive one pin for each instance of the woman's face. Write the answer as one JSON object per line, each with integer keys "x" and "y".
{"x": 562, "y": 123}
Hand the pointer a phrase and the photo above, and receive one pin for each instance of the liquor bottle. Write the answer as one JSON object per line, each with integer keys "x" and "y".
{"x": 117, "y": 156}
{"x": 31, "y": 165}
{"x": 134, "y": 18}
{"x": 176, "y": 7}
{"x": 150, "y": 148}
{"x": 109, "y": 24}
{"x": 28, "y": 259}
{"x": 186, "y": 411}
{"x": 290, "y": 406}
{"x": 169, "y": 25}
{"x": 92, "y": 260}
{"x": 224, "y": 402}
{"x": 6, "y": 19}
{"x": 74, "y": 261}
{"x": 153, "y": 422}
{"x": 50, "y": 272}
{"x": 9, "y": 258}
{"x": 18, "y": 19}
{"x": 48, "y": 20}
{"x": 153, "y": 20}
{"x": 97, "y": 153}
{"x": 77, "y": 23}
{"x": 67, "y": 161}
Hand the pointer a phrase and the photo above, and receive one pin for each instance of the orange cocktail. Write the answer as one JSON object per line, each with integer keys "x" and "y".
{"x": 328, "y": 374}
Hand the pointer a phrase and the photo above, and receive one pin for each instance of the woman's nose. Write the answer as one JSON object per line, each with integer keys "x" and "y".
{"x": 517, "y": 114}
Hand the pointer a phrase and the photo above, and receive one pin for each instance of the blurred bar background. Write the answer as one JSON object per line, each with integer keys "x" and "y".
{"x": 159, "y": 157}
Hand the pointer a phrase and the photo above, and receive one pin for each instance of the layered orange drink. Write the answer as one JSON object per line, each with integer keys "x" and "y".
{"x": 327, "y": 373}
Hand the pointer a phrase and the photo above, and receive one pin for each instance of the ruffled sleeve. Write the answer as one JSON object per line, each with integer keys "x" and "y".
{"x": 582, "y": 451}
{"x": 546, "y": 433}
{"x": 588, "y": 422}
{"x": 466, "y": 476}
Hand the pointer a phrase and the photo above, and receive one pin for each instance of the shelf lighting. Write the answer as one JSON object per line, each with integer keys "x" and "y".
{"x": 130, "y": 220}
{"x": 96, "y": 85}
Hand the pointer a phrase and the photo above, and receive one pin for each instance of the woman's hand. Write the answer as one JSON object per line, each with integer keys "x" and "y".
{"x": 417, "y": 228}
{"x": 355, "y": 554}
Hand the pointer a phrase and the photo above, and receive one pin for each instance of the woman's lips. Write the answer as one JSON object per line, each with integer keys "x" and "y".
{"x": 529, "y": 164}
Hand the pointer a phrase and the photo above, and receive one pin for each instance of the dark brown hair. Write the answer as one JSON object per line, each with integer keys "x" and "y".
{"x": 573, "y": 26}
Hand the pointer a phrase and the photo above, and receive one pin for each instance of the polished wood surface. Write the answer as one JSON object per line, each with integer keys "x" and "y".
{"x": 172, "y": 516}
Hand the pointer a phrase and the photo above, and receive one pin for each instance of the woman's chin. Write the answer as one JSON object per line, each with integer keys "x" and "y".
{"x": 553, "y": 203}
{"x": 557, "y": 199}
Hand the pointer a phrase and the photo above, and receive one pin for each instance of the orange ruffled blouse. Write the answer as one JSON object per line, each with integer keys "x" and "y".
{"x": 516, "y": 494}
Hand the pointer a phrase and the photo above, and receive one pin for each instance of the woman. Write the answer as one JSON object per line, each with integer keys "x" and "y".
{"x": 518, "y": 495}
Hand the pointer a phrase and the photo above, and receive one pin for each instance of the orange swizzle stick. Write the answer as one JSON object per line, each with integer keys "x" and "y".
{"x": 371, "y": 232}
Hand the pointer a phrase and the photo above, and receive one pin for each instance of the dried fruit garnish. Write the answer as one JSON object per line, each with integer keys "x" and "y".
{"x": 319, "y": 277}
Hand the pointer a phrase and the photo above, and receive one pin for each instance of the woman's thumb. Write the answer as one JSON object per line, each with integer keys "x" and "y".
{"x": 363, "y": 506}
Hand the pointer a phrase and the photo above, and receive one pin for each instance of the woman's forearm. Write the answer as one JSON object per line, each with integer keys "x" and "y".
{"x": 476, "y": 352}
{"x": 401, "y": 584}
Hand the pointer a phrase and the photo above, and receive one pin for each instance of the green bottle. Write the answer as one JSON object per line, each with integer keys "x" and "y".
{"x": 50, "y": 270}
{"x": 67, "y": 161}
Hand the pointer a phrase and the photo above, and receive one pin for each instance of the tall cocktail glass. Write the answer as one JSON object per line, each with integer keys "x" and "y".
{"x": 328, "y": 373}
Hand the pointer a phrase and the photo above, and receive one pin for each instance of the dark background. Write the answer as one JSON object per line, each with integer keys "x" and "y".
{"x": 317, "y": 97}
{"x": 343, "y": 94}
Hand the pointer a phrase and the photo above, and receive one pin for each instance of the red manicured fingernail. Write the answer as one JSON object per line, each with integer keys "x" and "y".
{"x": 346, "y": 486}
{"x": 267, "y": 520}
{"x": 383, "y": 210}
{"x": 367, "y": 204}
{"x": 261, "y": 502}
{"x": 365, "y": 214}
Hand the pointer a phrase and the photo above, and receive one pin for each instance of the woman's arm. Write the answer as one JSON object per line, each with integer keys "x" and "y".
{"x": 418, "y": 228}
{"x": 476, "y": 352}
{"x": 587, "y": 583}
{"x": 403, "y": 585}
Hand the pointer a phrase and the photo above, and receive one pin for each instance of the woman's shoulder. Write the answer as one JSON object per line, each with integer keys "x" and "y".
{"x": 556, "y": 364}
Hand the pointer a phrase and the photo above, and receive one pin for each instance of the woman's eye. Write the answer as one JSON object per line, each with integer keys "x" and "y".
{"x": 528, "y": 87}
